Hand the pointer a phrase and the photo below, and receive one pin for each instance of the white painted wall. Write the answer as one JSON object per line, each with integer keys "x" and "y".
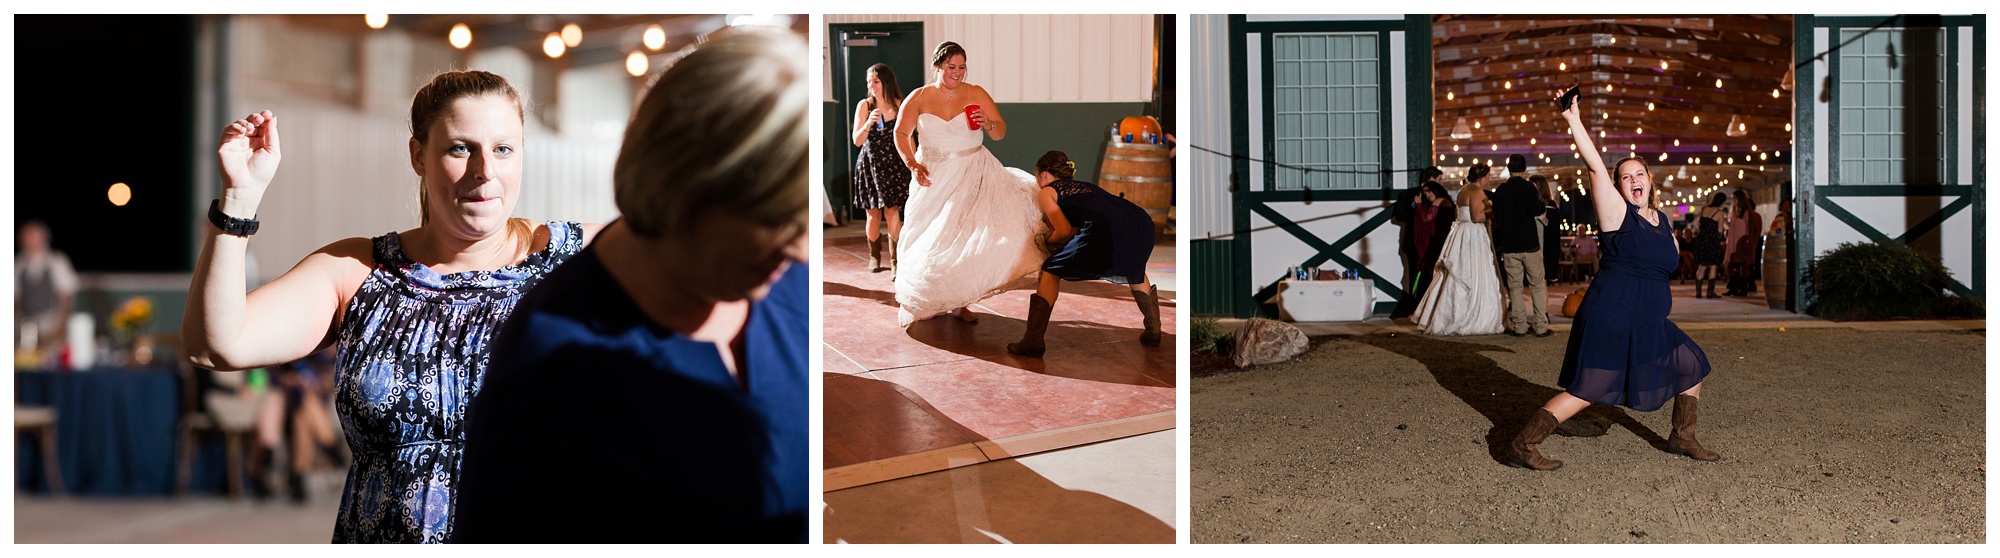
{"x": 1208, "y": 207}
{"x": 343, "y": 108}
{"x": 1066, "y": 58}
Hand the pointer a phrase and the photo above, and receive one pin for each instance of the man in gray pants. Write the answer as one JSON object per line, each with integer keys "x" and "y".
{"x": 1517, "y": 238}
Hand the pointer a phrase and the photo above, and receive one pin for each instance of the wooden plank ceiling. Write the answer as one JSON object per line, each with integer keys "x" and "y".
{"x": 606, "y": 37}
{"x": 1650, "y": 89}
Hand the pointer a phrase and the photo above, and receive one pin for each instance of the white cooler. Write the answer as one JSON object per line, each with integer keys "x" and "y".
{"x": 1326, "y": 301}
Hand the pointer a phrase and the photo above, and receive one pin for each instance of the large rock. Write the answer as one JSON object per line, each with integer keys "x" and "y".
{"x": 1261, "y": 341}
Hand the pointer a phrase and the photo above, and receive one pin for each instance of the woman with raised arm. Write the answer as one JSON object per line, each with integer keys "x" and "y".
{"x": 1622, "y": 349}
{"x": 410, "y": 313}
{"x": 881, "y": 182}
{"x": 1465, "y": 297}
{"x": 971, "y": 224}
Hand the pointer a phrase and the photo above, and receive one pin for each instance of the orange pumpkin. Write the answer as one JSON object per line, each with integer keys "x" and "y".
{"x": 1574, "y": 300}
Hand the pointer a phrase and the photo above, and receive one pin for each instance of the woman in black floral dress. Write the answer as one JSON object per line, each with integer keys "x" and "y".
{"x": 881, "y": 182}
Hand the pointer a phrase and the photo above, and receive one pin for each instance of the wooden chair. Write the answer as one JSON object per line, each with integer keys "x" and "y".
{"x": 235, "y": 438}
{"x": 41, "y": 421}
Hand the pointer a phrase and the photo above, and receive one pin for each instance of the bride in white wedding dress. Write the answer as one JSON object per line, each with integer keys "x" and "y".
{"x": 1465, "y": 297}
{"x": 970, "y": 226}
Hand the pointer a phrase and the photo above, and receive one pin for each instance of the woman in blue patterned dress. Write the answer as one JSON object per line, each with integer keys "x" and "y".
{"x": 410, "y": 313}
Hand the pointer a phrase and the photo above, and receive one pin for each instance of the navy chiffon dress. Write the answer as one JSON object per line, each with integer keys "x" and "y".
{"x": 1622, "y": 348}
{"x": 1113, "y": 239}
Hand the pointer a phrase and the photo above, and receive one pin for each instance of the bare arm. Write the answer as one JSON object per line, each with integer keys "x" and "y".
{"x": 1059, "y": 228}
{"x": 226, "y": 328}
{"x": 906, "y": 123}
{"x": 1604, "y": 195}
{"x": 863, "y": 118}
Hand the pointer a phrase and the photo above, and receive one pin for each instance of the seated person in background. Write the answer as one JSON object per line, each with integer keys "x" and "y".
{"x": 654, "y": 387}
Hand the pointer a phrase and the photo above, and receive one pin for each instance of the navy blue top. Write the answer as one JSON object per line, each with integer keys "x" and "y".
{"x": 595, "y": 424}
{"x": 1113, "y": 239}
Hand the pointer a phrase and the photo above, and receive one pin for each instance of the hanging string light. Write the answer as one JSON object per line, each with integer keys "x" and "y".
{"x": 461, "y": 36}
{"x": 572, "y": 35}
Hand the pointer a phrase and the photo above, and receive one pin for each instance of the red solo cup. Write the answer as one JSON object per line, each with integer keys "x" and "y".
{"x": 969, "y": 109}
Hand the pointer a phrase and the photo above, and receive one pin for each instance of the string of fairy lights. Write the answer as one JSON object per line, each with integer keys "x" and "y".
{"x": 639, "y": 62}
{"x": 1722, "y": 167}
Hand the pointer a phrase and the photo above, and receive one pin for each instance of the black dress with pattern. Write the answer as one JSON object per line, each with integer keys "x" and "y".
{"x": 412, "y": 351}
{"x": 1707, "y": 245}
{"x": 880, "y": 179}
{"x": 1113, "y": 240}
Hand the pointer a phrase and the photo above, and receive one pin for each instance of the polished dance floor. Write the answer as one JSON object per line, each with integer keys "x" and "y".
{"x": 945, "y": 394}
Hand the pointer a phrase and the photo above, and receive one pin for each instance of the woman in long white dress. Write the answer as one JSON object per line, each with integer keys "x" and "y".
{"x": 1465, "y": 297}
{"x": 971, "y": 226}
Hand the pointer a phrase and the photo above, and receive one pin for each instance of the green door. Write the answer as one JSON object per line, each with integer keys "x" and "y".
{"x": 854, "y": 47}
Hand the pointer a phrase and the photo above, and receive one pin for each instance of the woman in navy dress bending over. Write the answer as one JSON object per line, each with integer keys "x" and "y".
{"x": 1102, "y": 236}
{"x": 1622, "y": 349}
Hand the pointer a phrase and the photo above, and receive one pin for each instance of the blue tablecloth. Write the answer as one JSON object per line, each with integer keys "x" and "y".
{"x": 115, "y": 430}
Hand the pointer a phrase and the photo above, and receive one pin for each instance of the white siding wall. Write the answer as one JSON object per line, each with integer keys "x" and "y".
{"x": 343, "y": 106}
{"x": 1207, "y": 86}
{"x": 1068, "y": 58}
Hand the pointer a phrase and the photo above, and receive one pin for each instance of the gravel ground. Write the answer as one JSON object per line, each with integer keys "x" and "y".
{"x": 1827, "y": 436}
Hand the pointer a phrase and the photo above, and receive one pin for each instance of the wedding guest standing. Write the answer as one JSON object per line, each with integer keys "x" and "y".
{"x": 1406, "y": 215}
{"x": 410, "y": 312}
{"x": 1745, "y": 245}
{"x": 881, "y": 182}
{"x": 44, "y": 285}
{"x": 1708, "y": 242}
{"x": 1517, "y": 235}
{"x": 654, "y": 389}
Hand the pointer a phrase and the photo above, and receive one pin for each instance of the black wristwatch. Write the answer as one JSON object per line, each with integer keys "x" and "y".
{"x": 230, "y": 225}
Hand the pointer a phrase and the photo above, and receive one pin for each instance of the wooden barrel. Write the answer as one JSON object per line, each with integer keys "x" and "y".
{"x": 1777, "y": 272}
{"x": 1141, "y": 173}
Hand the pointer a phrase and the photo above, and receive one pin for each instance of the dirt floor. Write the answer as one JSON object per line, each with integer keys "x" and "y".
{"x": 1827, "y": 435}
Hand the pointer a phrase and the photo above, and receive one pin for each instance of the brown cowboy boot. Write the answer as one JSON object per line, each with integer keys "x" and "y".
{"x": 875, "y": 256}
{"x": 1038, "y": 324}
{"x": 891, "y": 248}
{"x": 1523, "y": 450}
{"x": 1149, "y": 304}
{"x": 1682, "y": 441}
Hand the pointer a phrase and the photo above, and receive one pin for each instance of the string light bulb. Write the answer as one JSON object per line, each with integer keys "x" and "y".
{"x": 1450, "y": 95}
{"x": 376, "y": 21}
{"x": 572, "y": 35}
{"x": 461, "y": 36}
{"x": 655, "y": 37}
{"x": 553, "y": 45}
{"x": 637, "y": 64}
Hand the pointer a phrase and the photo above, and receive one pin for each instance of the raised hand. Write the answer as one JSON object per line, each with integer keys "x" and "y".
{"x": 1572, "y": 112}
{"x": 249, "y": 155}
